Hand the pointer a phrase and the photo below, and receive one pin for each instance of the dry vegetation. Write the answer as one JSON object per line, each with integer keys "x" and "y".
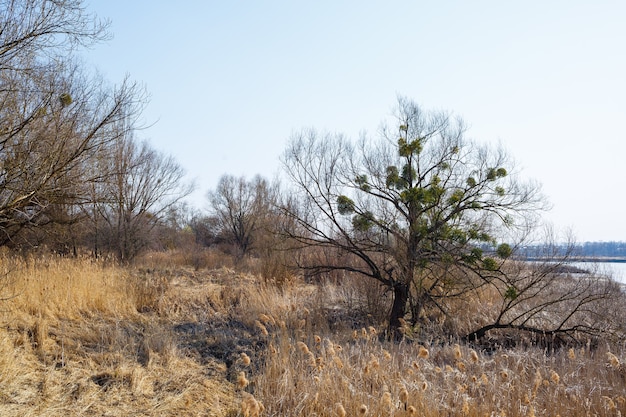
{"x": 85, "y": 338}
{"x": 81, "y": 337}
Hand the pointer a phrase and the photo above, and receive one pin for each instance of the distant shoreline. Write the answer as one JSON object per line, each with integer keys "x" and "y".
{"x": 586, "y": 259}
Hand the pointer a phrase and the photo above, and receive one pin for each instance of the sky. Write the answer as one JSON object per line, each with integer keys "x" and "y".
{"x": 230, "y": 81}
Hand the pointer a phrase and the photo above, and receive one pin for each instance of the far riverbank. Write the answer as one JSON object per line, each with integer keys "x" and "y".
{"x": 613, "y": 267}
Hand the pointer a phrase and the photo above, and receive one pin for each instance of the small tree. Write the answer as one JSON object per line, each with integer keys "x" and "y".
{"x": 241, "y": 208}
{"x": 206, "y": 229}
{"x": 420, "y": 199}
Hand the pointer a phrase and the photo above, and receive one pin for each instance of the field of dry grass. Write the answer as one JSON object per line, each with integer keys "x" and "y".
{"x": 85, "y": 338}
{"x": 364, "y": 378}
{"x": 81, "y": 338}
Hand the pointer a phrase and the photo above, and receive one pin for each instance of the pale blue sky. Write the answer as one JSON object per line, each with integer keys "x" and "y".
{"x": 231, "y": 80}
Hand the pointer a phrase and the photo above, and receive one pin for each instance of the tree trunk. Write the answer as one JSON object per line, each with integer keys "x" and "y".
{"x": 398, "y": 309}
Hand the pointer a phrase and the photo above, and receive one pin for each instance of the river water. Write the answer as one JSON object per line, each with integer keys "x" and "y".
{"x": 616, "y": 270}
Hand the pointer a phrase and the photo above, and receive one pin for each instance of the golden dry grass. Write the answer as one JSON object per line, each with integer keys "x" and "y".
{"x": 309, "y": 370}
{"x": 82, "y": 338}
{"x": 450, "y": 380}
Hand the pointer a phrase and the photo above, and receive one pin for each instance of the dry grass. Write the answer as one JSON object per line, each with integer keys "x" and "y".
{"x": 449, "y": 380}
{"x": 194, "y": 256}
{"x": 313, "y": 369}
{"x": 83, "y": 338}
{"x": 166, "y": 338}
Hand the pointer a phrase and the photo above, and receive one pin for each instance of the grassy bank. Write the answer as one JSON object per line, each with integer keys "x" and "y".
{"x": 81, "y": 338}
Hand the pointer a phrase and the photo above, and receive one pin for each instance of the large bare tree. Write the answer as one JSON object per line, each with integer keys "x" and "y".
{"x": 420, "y": 198}
{"x": 54, "y": 118}
{"x": 139, "y": 188}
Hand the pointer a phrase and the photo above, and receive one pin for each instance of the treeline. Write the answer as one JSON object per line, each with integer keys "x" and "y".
{"x": 602, "y": 249}
{"x": 590, "y": 250}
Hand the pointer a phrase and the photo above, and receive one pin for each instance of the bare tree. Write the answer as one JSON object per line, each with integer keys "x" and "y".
{"x": 550, "y": 299}
{"x": 420, "y": 199}
{"x": 140, "y": 188}
{"x": 35, "y": 30}
{"x": 48, "y": 138}
{"x": 241, "y": 208}
{"x": 53, "y": 117}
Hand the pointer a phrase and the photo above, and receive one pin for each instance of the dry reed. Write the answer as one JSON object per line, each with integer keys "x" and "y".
{"x": 76, "y": 339}
{"x": 80, "y": 337}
